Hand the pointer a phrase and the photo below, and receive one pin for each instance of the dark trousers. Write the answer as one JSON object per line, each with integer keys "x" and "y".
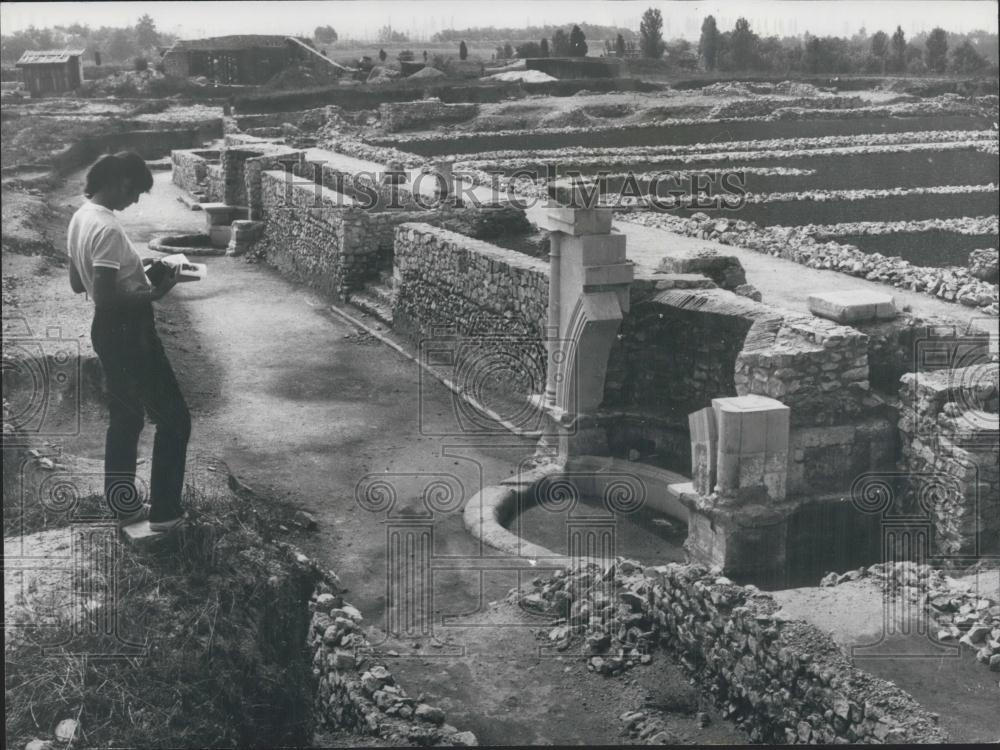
{"x": 140, "y": 381}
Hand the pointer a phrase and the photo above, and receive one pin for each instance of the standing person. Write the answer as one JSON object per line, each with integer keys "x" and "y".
{"x": 138, "y": 375}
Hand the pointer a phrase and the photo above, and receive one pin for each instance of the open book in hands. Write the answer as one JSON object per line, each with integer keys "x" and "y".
{"x": 185, "y": 269}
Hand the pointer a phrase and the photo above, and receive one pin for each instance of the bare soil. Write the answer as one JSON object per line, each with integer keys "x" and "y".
{"x": 301, "y": 408}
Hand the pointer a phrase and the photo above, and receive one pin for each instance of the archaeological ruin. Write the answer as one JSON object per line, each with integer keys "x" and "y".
{"x": 548, "y": 403}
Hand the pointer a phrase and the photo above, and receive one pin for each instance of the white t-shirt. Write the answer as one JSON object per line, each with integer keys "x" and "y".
{"x": 96, "y": 239}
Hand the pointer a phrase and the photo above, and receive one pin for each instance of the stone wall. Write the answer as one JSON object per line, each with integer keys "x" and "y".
{"x": 370, "y": 190}
{"x": 783, "y": 680}
{"x": 215, "y": 183}
{"x": 234, "y": 167}
{"x": 250, "y": 171}
{"x": 949, "y": 427}
{"x": 677, "y": 350}
{"x": 448, "y": 279}
{"x": 311, "y": 233}
{"x": 682, "y": 346}
{"x": 910, "y": 343}
{"x": 409, "y": 115}
{"x": 355, "y": 691}
{"x": 190, "y": 168}
{"x": 816, "y": 367}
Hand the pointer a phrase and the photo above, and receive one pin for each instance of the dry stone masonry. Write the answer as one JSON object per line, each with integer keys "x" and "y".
{"x": 356, "y": 691}
{"x": 396, "y": 116}
{"x": 950, "y": 432}
{"x": 783, "y": 680}
{"x": 449, "y": 280}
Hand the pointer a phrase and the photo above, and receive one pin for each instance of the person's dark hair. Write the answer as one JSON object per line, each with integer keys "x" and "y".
{"x": 113, "y": 168}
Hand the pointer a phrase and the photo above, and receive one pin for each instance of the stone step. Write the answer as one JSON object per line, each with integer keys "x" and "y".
{"x": 384, "y": 293}
{"x": 373, "y": 306}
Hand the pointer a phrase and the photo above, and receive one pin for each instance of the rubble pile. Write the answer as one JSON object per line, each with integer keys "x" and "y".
{"x": 355, "y": 689}
{"x": 956, "y": 610}
{"x": 782, "y": 680}
{"x": 767, "y": 106}
{"x": 576, "y": 156}
{"x": 983, "y": 264}
{"x": 330, "y": 137}
{"x": 922, "y": 108}
{"x": 800, "y": 244}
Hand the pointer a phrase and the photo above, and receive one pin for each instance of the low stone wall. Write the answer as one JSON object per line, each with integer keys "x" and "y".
{"x": 215, "y": 183}
{"x": 447, "y": 280}
{"x": 909, "y": 343}
{"x": 817, "y": 368}
{"x": 800, "y": 244}
{"x": 370, "y": 190}
{"x": 355, "y": 691}
{"x": 398, "y": 116}
{"x": 242, "y": 164}
{"x": 250, "y": 171}
{"x": 308, "y": 119}
{"x": 783, "y": 680}
{"x": 681, "y": 347}
{"x": 950, "y": 432}
{"x": 311, "y": 233}
{"x": 190, "y": 168}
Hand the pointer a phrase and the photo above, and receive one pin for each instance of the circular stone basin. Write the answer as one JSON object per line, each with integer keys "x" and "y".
{"x": 189, "y": 244}
{"x": 592, "y": 506}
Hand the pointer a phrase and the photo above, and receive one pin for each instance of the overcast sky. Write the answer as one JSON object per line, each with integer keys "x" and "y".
{"x": 421, "y": 18}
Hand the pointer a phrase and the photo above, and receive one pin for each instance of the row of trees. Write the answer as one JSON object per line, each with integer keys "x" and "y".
{"x": 571, "y": 44}
{"x": 742, "y": 49}
{"x": 491, "y": 33}
{"x": 106, "y": 44}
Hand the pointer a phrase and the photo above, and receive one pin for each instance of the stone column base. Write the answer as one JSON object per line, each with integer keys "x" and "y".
{"x": 747, "y": 542}
{"x": 565, "y": 434}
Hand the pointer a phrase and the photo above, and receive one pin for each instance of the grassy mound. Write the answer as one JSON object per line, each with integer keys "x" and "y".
{"x": 198, "y": 642}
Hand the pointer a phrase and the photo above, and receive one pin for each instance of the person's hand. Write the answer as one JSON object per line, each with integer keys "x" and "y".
{"x": 168, "y": 282}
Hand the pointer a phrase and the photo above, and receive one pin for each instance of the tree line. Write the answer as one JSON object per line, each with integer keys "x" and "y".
{"x": 103, "y": 45}
{"x": 742, "y": 49}
{"x": 935, "y": 52}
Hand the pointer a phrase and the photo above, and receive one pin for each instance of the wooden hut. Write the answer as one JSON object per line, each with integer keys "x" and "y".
{"x": 51, "y": 71}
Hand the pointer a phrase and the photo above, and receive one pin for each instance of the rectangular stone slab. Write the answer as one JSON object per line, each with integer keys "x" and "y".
{"x": 852, "y": 306}
{"x": 139, "y": 534}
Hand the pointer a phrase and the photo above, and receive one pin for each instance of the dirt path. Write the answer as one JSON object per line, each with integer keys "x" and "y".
{"x": 301, "y": 407}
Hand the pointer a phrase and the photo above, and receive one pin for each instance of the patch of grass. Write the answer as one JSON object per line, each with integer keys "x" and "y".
{"x": 219, "y": 618}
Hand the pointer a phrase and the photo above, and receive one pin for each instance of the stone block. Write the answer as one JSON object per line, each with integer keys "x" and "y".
{"x": 751, "y": 472}
{"x": 220, "y": 235}
{"x": 852, "y": 306}
{"x": 776, "y": 462}
{"x": 753, "y": 433}
{"x": 776, "y": 484}
{"x": 704, "y": 439}
{"x": 140, "y": 535}
{"x": 597, "y": 249}
{"x": 577, "y": 221}
{"x": 621, "y": 273}
{"x": 727, "y": 470}
{"x": 729, "y": 422}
